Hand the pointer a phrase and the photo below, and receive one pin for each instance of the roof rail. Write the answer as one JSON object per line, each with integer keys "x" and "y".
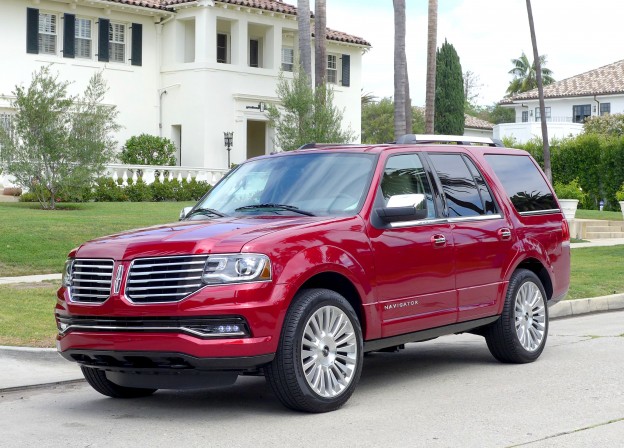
{"x": 410, "y": 139}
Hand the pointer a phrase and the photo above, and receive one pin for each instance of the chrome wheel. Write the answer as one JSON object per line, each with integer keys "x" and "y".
{"x": 329, "y": 351}
{"x": 530, "y": 316}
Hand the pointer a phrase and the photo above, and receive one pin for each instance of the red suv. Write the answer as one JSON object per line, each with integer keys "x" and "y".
{"x": 296, "y": 264}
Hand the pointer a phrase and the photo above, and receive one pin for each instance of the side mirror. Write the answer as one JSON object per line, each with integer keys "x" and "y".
{"x": 404, "y": 207}
{"x": 398, "y": 214}
{"x": 185, "y": 211}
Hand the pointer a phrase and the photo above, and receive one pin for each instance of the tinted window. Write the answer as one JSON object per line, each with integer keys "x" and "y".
{"x": 405, "y": 175}
{"x": 523, "y": 183}
{"x": 460, "y": 189}
{"x": 486, "y": 196}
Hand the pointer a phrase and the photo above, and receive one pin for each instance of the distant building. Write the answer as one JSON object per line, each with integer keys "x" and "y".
{"x": 188, "y": 70}
{"x": 568, "y": 103}
{"x": 476, "y": 127}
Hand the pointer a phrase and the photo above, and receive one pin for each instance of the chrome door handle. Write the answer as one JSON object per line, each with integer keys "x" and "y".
{"x": 438, "y": 240}
{"x": 504, "y": 234}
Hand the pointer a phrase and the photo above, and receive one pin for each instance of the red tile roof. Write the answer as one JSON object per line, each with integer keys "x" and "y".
{"x": 277, "y": 6}
{"x": 601, "y": 81}
{"x": 476, "y": 123}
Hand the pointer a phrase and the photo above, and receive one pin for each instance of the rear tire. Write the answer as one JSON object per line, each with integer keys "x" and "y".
{"x": 98, "y": 381}
{"x": 519, "y": 336}
{"x": 319, "y": 357}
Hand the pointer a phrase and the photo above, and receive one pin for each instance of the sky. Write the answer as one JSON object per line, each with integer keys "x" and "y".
{"x": 575, "y": 35}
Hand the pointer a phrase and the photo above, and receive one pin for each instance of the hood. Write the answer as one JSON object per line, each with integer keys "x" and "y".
{"x": 223, "y": 235}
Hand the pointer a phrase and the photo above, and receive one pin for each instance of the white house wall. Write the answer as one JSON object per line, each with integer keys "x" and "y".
{"x": 202, "y": 98}
{"x": 133, "y": 89}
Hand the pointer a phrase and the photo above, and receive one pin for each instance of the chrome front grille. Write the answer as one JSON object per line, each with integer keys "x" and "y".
{"x": 164, "y": 279}
{"x": 91, "y": 280}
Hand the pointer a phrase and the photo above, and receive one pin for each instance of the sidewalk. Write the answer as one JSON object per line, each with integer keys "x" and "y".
{"x": 24, "y": 368}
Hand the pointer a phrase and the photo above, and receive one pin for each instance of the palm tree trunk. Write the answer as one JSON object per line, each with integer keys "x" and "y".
{"x": 400, "y": 69}
{"x": 305, "y": 43}
{"x": 540, "y": 90}
{"x": 432, "y": 33}
{"x": 320, "y": 45}
{"x": 408, "y": 104}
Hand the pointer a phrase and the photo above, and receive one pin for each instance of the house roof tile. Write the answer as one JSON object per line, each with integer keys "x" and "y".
{"x": 476, "y": 123}
{"x": 267, "y": 5}
{"x": 601, "y": 81}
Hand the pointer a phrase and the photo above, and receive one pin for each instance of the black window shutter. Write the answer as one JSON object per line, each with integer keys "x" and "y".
{"x": 137, "y": 44}
{"x": 32, "y": 30}
{"x": 69, "y": 35}
{"x": 253, "y": 53}
{"x": 103, "y": 39}
{"x": 346, "y": 70}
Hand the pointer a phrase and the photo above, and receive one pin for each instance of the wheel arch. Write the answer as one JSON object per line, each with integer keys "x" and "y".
{"x": 536, "y": 266}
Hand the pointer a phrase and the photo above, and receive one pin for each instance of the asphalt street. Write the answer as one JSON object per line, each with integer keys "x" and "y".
{"x": 448, "y": 392}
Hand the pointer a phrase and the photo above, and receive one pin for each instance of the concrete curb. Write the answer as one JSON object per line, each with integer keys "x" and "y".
{"x": 567, "y": 308}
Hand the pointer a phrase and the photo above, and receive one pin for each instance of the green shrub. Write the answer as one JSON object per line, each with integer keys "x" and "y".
{"x": 107, "y": 190}
{"x": 28, "y": 197}
{"x": 619, "y": 195}
{"x": 139, "y": 191}
{"x": 198, "y": 189}
{"x": 162, "y": 191}
{"x": 148, "y": 150}
{"x": 571, "y": 190}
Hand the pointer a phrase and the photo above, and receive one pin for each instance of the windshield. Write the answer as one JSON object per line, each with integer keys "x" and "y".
{"x": 316, "y": 184}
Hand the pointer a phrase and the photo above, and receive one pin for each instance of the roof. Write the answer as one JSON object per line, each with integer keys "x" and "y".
{"x": 277, "y": 6}
{"x": 601, "y": 81}
{"x": 476, "y": 123}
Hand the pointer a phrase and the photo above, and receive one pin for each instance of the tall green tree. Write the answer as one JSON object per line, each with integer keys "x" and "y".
{"x": 378, "y": 121}
{"x": 525, "y": 74}
{"x": 59, "y": 142}
{"x": 306, "y": 115}
{"x": 432, "y": 32}
{"x": 449, "y": 97}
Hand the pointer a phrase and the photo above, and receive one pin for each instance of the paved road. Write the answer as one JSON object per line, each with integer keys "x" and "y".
{"x": 443, "y": 393}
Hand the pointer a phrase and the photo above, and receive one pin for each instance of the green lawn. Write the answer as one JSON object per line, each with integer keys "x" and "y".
{"x": 35, "y": 241}
{"x": 596, "y": 271}
{"x": 597, "y": 214}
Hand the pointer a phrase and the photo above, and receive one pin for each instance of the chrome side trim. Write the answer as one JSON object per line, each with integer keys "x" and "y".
{"x": 475, "y": 218}
{"x": 541, "y": 212}
{"x": 421, "y": 222}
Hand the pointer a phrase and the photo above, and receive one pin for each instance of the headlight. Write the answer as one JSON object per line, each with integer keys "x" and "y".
{"x": 236, "y": 268}
{"x": 67, "y": 272}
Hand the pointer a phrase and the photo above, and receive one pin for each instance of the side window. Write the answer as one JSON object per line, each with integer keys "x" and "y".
{"x": 460, "y": 188}
{"x": 523, "y": 183}
{"x": 405, "y": 175}
{"x": 486, "y": 196}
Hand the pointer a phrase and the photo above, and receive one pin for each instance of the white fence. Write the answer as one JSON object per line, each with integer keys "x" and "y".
{"x": 149, "y": 173}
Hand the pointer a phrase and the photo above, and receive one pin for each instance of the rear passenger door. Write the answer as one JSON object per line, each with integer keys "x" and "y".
{"x": 414, "y": 268}
{"x": 483, "y": 237}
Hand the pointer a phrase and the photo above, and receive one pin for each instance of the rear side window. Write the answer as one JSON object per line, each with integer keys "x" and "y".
{"x": 523, "y": 183}
{"x": 459, "y": 185}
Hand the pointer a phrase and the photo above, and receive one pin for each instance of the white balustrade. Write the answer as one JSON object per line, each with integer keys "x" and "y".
{"x": 149, "y": 173}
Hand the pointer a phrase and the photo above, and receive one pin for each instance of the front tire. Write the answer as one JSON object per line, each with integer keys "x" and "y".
{"x": 98, "y": 381}
{"x": 319, "y": 357}
{"x": 519, "y": 336}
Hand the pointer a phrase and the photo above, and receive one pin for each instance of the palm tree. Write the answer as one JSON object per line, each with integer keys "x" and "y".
{"x": 432, "y": 32}
{"x": 540, "y": 90}
{"x": 400, "y": 69}
{"x": 525, "y": 74}
{"x": 320, "y": 46}
{"x": 305, "y": 44}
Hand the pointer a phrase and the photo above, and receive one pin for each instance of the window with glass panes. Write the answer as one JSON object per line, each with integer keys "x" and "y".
{"x": 83, "y": 38}
{"x": 117, "y": 42}
{"x": 47, "y": 33}
{"x": 332, "y": 68}
{"x": 288, "y": 59}
{"x": 605, "y": 108}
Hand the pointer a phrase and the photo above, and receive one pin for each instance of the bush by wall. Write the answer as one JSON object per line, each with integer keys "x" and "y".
{"x": 107, "y": 190}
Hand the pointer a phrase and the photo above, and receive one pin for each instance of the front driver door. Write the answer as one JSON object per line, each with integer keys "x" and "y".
{"x": 414, "y": 266}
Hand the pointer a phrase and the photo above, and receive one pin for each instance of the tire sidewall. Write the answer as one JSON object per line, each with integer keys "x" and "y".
{"x": 521, "y": 278}
{"x": 313, "y": 301}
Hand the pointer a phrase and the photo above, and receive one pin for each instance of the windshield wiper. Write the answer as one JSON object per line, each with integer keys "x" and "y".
{"x": 290, "y": 208}
{"x": 206, "y": 211}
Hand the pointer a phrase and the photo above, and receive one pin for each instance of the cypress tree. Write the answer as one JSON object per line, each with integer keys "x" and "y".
{"x": 449, "y": 94}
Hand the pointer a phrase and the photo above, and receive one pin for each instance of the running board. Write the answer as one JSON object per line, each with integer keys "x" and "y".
{"x": 423, "y": 335}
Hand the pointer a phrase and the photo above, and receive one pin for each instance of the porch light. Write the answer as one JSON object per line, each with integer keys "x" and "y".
{"x": 261, "y": 106}
{"x": 228, "y": 140}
